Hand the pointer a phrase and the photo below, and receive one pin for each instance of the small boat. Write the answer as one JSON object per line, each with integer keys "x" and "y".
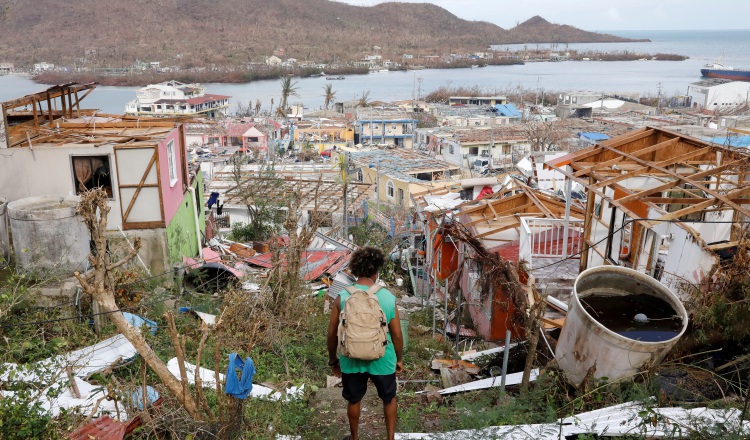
{"x": 718, "y": 70}
{"x": 334, "y": 77}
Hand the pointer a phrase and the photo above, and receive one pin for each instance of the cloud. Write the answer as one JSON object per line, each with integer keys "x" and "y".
{"x": 614, "y": 14}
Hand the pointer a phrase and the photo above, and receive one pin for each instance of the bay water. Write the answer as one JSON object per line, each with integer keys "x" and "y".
{"x": 645, "y": 77}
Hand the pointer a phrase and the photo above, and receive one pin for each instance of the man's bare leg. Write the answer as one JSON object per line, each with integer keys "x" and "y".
{"x": 391, "y": 412}
{"x": 352, "y": 411}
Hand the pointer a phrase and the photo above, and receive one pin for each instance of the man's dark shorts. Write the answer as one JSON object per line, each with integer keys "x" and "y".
{"x": 355, "y": 386}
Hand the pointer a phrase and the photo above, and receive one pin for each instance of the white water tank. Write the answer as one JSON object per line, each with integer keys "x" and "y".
{"x": 585, "y": 342}
{"x": 49, "y": 237}
{"x": 4, "y": 236}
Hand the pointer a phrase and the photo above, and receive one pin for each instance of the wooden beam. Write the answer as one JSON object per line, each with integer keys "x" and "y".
{"x": 641, "y": 152}
{"x": 668, "y": 185}
{"x": 686, "y": 180}
{"x": 689, "y": 210}
{"x": 587, "y": 221}
{"x": 645, "y": 169}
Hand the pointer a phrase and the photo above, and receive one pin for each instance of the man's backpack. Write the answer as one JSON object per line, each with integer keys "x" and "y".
{"x": 363, "y": 329}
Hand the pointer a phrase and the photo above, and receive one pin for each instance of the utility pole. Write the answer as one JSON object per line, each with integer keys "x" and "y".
{"x": 377, "y": 186}
{"x": 536, "y": 100}
{"x": 658, "y": 99}
{"x": 345, "y": 175}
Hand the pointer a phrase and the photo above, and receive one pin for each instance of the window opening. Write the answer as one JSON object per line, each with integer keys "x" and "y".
{"x": 91, "y": 172}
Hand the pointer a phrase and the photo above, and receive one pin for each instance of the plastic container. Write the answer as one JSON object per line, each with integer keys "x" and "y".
{"x": 584, "y": 341}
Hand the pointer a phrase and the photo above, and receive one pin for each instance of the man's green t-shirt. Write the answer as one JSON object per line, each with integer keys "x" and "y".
{"x": 386, "y": 364}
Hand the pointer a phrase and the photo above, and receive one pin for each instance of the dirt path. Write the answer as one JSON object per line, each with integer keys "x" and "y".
{"x": 329, "y": 415}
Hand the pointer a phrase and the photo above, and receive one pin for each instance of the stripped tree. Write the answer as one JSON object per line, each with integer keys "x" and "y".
{"x": 100, "y": 284}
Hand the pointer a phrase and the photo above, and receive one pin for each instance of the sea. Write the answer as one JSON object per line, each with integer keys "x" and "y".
{"x": 646, "y": 77}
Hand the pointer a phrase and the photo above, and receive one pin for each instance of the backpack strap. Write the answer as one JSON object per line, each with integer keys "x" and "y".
{"x": 372, "y": 290}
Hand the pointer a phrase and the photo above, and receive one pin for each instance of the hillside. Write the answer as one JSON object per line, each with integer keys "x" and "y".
{"x": 233, "y": 32}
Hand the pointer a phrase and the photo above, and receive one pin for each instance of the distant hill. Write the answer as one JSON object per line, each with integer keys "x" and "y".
{"x": 203, "y": 33}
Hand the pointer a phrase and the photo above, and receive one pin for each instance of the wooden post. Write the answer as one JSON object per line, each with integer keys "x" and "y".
{"x": 72, "y": 380}
{"x": 98, "y": 317}
{"x": 587, "y": 224}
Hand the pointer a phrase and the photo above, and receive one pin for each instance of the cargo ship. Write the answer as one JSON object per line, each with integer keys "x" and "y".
{"x": 718, "y": 70}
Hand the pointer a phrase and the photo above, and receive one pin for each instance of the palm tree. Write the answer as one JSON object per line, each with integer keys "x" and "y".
{"x": 364, "y": 100}
{"x": 288, "y": 88}
{"x": 329, "y": 94}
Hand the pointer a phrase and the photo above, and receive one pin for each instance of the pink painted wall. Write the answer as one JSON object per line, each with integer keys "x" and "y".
{"x": 172, "y": 196}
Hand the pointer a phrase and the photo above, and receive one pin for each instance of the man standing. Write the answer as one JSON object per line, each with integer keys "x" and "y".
{"x": 354, "y": 373}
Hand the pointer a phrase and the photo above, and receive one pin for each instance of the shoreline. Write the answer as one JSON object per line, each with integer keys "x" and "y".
{"x": 141, "y": 79}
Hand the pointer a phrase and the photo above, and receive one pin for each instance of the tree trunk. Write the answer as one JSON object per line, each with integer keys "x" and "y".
{"x": 100, "y": 285}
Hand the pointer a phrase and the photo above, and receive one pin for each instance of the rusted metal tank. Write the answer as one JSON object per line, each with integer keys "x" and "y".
{"x": 619, "y": 322}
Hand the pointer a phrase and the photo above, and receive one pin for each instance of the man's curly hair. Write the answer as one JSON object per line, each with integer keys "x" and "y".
{"x": 366, "y": 261}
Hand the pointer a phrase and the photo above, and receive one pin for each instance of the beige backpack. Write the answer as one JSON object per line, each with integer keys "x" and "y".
{"x": 363, "y": 329}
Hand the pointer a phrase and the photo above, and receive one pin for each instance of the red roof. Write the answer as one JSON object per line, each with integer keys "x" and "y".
{"x": 313, "y": 264}
{"x": 103, "y": 428}
{"x": 237, "y": 129}
{"x": 206, "y": 98}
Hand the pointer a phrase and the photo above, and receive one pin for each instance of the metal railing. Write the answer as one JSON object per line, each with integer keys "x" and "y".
{"x": 545, "y": 238}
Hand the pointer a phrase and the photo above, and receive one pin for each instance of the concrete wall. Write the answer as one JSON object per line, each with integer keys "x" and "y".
{"x": 48, "y": 170}
{"x": 153, "y": 251}
{"x": 182, "y": 237}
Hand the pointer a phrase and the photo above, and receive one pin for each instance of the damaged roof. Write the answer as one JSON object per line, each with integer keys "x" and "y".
{"x": 402, "y": 164}
{"x": 708, "y": 176}
{"x": 327, "y": 195}
{"x": 54, "y": 117}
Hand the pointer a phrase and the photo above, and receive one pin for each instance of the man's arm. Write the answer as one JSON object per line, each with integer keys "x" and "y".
{"x": 394, "y": 326}
{"x": 332, "y": 338}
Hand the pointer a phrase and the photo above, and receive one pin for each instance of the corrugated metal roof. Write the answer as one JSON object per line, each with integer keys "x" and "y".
{"x": 400, "y": 163}
{"x": 594, "y": 136}
{"x": 313, "y": 263}
{"x": 507, "y": 110}
{"x": 103, "y": 428}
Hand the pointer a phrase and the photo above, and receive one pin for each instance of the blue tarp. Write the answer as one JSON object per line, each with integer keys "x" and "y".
{"x": 137, "y": 396}
{"x": 137, "y": 322}
{"x": 593, "y": 136}
{"x": 508, "y": 110}
{"x": 733, "y": 141}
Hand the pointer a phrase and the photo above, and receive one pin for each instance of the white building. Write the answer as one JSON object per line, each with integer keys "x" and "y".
{"x": 173, "y": 98}
{"x": 39, "y": 67}
{"x": 718, "y": 94}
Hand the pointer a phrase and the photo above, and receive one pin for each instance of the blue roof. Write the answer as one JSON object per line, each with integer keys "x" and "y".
{"x": 734, "y": 141}
{"x": 594, "y": 136}
{"x": 507, "y": 110}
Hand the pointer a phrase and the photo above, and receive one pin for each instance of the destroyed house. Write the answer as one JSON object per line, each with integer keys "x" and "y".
{"x": 317, "y": 188}
{"x": 60, "y": 149}
{"x": 397, "y": 172}
{"x": 518, "y": 223}
{"x": 660, "y": 202}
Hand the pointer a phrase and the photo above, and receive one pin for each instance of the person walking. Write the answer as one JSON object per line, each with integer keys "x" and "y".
{"x": 355, "y": 373}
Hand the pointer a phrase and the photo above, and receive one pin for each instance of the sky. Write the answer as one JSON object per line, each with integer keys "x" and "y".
{"x": 599, "y": 15}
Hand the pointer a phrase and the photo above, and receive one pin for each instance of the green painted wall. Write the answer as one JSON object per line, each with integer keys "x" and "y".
{"x": 181, "y": 234}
